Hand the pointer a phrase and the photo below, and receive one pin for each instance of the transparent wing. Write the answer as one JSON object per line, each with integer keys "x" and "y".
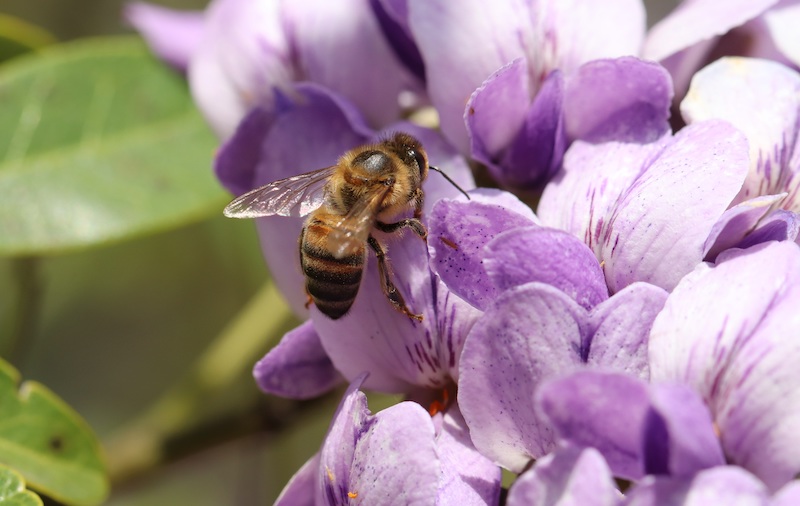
{"x": 293, "y": 196}
{"x": 350, "y": 232}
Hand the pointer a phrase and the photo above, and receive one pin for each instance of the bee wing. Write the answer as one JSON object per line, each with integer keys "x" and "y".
{"x": 293, "y": 196}
{"x": 350, "y": 232}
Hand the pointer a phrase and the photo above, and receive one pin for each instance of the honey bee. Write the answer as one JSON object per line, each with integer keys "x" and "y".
{"x": 368, "y": 188}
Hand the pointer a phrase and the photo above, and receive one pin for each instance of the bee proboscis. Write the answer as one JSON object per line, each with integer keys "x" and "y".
{"x": 368, "y": 188}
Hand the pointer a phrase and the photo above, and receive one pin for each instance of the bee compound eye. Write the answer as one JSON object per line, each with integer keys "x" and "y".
{"x": 419, "y": 158}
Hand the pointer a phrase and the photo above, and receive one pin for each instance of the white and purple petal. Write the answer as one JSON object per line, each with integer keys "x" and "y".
{"x": 462, "y": 44}
{"x": 762, "y": 99}
{"x": 568, "y": 476}
{"x": 233, "y": 71}
{"x": 657, "y": 230}
{"x": 341, "y": 46}
{"x": 782, "y": 21}
{"x": 736, "y": 223}
{"x": 299, "y": 491}
{"x": 728, "y": 331}
{"x": 594, "y": 176}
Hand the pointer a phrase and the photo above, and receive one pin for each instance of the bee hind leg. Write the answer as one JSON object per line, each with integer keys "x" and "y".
{"x": 389, "y": 289}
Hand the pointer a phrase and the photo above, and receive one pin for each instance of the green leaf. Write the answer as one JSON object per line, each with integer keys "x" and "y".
{"x": 12, "y": 490}
{"x": 98, "y": 142}
{"x": 19, "y": 37}
{"x": 48, "y": 443}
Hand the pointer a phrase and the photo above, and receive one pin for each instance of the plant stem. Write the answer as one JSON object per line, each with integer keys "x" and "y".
{"x": 26, "y": 308}
{"x": 140, "y": 444}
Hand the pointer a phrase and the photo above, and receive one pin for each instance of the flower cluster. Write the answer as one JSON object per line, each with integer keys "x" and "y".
{"x": 640, "y": 322}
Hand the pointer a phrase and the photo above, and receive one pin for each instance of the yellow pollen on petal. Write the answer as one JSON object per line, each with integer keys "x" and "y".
{"x": 352, "y": 495}
{"x": 330, "y": 473}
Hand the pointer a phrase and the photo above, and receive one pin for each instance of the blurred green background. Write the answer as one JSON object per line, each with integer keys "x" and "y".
{"x": 118, "y": 325}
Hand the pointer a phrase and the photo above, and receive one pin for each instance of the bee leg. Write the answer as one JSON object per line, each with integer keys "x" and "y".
{"x": 412, "y": 223}
{"x": 309, "y": 300}
{"x": 391, "y": 291}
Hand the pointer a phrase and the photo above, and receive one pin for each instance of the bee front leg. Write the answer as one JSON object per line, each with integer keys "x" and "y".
{"x": 391, "y": 291}
{"x": 412, "y": 223}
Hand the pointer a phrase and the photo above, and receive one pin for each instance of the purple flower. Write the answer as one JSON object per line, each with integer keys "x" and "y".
{"x": 762, "y": 99}
{"x": 249, "y": 50}
{"x": 546, "y": 312}
{"x": 698, "y": 31}
{"x": 401, "y": 355}
{"x": 397, "y": 456}
{"x": 533, "y": 76}
{"x": 661, "y": 435}
{"x": 729, "y": 332}
{"x": 647, "y": 210}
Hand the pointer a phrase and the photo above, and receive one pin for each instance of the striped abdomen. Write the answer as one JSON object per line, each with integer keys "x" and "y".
{"x": 331, "y": 282}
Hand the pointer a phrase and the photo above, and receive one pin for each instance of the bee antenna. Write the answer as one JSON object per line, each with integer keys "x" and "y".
{"x": 431, "y": 167}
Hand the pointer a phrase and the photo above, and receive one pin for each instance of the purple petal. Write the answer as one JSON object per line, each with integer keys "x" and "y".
{"x": 238, "y": 158}
{"x": 780, "y": 225}
{"x": 300, "y": 489}
{"x": 626, "y": 99}
{"x": 606, "y": 411}
{"x": 762, "y": 99}
{"x": 549, "y": 256}
{"x": 172, "y": 35}
{"x": 467, "y": 476}
{"x": 724, "y": 332}
{"x": 679, "y": 438}
{"x": 569, "y": 475}
{"x": 536, "y": 152}
{"x": 582, "y": 196}
{"x": 376, "y": 459}
{"x": 622, "y": 328}
{"x": 788, "y": 495}
{"x": 530, "y": 333}
{"x": 496, "y": 111}
{"x": 657, "y": 231}
{"x": 696, "y": 21}
{"x": 298, "y": 367}
{"x": 782, "y": 21}
{"x": 395, "y": 459}
{"x": 336, "y": 456}
{"x": 736, "y": 223}
{"x": 718, "y": 486}
{"x": 233, "y": 71}
{"x": 462, "y": 44}
{"x": 341, "y": 46}
{"x": 458, "y": 232}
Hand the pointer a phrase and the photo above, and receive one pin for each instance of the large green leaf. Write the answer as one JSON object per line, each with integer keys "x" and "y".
{"x": 98, "y": 142}
{"x": 48, "y": 443}
{"x": 12, "y": 490}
